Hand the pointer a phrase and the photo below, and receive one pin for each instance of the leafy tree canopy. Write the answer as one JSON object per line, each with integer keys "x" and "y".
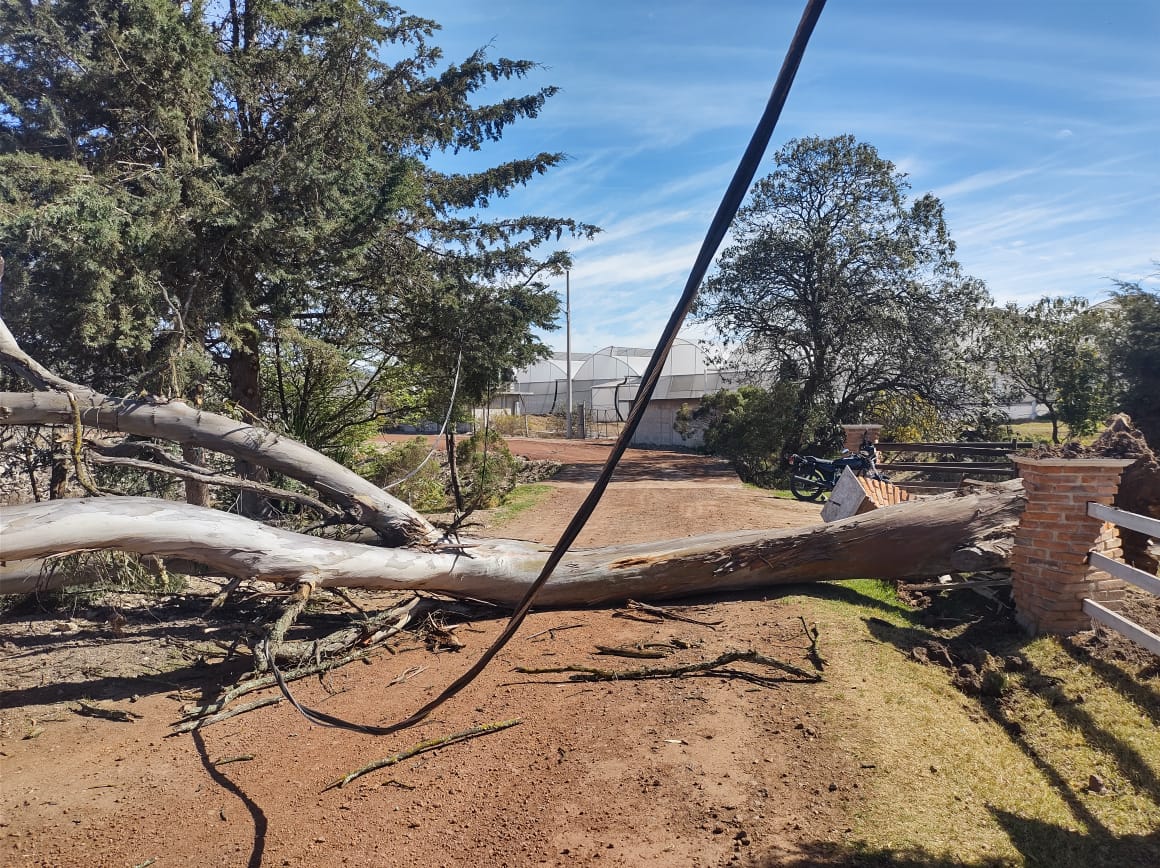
{"x": 745, "y": 426}
{"x": 1050, "y": 352}
{"x": 1133, "y": 345}
{"x": 179, "y": 182}
{"x": 835, "y": 282}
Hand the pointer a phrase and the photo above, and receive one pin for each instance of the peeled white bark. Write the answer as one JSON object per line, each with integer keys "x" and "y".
{"x": 393, "y": 520}
{"x": 908, "y": 541}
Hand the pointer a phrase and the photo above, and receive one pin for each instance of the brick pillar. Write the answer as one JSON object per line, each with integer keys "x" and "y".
{"x": 1050, "y": 572}
{"x": 856, "y": 433}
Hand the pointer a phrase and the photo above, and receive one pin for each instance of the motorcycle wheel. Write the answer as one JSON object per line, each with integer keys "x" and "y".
{"x": 809, "y": 485}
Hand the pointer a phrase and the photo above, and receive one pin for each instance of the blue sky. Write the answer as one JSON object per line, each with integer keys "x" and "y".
{"x": 1036, "y": 123}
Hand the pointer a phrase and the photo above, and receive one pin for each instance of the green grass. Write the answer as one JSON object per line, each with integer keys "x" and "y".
{"x": 783, "y": 493}
{"x": 520, "y": 499}
{"x": 952, "y": 779}
{"x": 1040, "y": 432}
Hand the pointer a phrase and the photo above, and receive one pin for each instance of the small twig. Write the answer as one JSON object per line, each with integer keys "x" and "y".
{"x": 220, "y": 598}
{"x": 423, "y": 747}
{"x": 203, "y": 722}
{"x": 406, "y": 675}
{"x": 394, "y": 783}
{"x": 552, "y": 631}
{"x": 348, "y": 599}
{"x": 815, "y": 655}
{"x": 631, "y": 651}
{"x": 240, "y": 758}
{"x": 669, "y": 614}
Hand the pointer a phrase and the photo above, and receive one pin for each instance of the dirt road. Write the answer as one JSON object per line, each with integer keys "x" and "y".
{"x": 701, "y": 771}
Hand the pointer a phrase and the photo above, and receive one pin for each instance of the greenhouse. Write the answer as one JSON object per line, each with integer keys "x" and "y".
{"x": 604, "y": 385}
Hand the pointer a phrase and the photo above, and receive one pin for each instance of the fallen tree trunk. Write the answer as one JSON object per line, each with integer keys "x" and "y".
{"x": 908, "y": 541}
{"x": 177, "y": 421}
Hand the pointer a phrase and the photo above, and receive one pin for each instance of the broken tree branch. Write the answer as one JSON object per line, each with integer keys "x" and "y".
{"x": 666, "y": 614}
{"x": 709, "y": 667}
{"x": 907, "y": 541}
{"x": 174, "y": 420}
{"x": 210, "y": 720}
{"x": 266, "y": 681}
{"x": 423, "y": 747}
{"x": 223, "y": 480}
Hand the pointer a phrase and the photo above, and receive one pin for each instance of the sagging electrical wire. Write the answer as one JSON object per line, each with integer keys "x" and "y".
{"x": 442, "y": 430}
{"x": 730, "y": 203}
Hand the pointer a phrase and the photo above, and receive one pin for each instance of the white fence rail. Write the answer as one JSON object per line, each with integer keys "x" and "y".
{"x": 1124, "y": 626}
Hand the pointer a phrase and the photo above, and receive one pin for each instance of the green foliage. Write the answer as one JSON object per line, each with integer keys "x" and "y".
{"x": 911, "y": 419}
{"x": 208, "y": 175}
{"x": 319, "y": 395}
{"x": 90, "y": 576}
{"x": 1085, "y": 392}
{"x": 405, "y": 470}
{"x": 747, "y": 427}
{"x": 1050, "y": 351}
{"x": 908, "y": 418}
{"x": 1133, "y": 346}
{"x": 838, "y": 285}
{"x": 520, "y": 499}
{"x": 487, "y": 468}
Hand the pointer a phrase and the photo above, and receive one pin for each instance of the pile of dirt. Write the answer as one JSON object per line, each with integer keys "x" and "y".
{"x": 1119, "y": 440}
{"x": 1104, "y": 644}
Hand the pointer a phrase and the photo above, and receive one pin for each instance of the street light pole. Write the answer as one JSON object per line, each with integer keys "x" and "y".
{"x": 568, "y": 342}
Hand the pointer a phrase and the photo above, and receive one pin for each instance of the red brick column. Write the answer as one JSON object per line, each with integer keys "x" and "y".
{"x": 1050, "y": 572}
{"x": 856, "y": 433}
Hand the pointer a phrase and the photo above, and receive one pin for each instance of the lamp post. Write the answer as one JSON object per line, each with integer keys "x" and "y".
{"x": 568, "y": 343}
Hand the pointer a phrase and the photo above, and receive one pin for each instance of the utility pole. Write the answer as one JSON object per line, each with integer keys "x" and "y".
{"x": 568, "y": 342}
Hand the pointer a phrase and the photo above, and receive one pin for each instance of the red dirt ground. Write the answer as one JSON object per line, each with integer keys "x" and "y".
{"x": 691, "y": 772}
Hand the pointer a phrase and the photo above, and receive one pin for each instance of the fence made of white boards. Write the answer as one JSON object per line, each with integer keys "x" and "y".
{"x": 1115, "y": 621}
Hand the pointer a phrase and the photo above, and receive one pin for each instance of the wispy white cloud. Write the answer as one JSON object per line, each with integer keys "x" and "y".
{"x": 984, "y": 180}
{"x": 1035, "y": 122}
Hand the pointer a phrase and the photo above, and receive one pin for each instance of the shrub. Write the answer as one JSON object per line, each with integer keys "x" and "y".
{"x": 401, "y": 468}
{"x": 487, "y": 468}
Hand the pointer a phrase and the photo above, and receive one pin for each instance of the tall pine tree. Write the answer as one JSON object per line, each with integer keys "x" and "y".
{"x": 180, "y": 183}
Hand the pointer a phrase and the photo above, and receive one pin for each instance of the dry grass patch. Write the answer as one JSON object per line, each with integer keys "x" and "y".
{"x": 957, "y": 779}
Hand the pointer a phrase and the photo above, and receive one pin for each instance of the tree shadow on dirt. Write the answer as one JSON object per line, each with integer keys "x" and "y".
{"x": 1040, "y": 843}
{"x": 816, "y": 590}
{"x": 115, "y": 653}
{"x": 114, "y": 688}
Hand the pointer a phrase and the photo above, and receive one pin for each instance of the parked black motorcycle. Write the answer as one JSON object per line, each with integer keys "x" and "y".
{"x": 812, "y": 477}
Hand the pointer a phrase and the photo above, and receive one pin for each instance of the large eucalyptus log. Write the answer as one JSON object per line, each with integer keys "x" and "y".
{"x": 908, "y": 541}
{"x": 179, "y": 422}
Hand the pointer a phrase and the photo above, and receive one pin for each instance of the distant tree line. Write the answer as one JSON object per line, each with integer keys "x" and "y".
{"x": 843, "y": 299}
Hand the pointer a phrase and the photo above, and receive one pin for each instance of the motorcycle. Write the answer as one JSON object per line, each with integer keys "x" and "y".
{"x": 812, "y": 477}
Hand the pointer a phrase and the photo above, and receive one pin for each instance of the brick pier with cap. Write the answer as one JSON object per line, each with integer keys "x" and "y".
{"x": 1050, "y": 571}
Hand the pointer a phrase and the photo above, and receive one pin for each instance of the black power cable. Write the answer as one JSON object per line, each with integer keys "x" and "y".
{"x": 730, "y": 203}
